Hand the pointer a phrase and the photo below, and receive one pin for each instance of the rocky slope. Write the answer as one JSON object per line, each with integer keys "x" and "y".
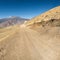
{"x": 51, "y": 14}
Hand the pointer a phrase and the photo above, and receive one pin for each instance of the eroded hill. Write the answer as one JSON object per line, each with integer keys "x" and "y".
{"x": 51, "y": 14}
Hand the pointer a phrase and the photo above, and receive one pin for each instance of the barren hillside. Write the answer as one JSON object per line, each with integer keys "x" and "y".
{"x": 39, "y": 42}
{"x": 51, "y": 14}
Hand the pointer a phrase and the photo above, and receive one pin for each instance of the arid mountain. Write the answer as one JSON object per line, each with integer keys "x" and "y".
{"x": 51, "y": 14}
{"x": 37, "y": 39}
{"x": 4, "y": 22}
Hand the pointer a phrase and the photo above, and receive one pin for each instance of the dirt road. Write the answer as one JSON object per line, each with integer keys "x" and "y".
{"x": 26, "y": 44}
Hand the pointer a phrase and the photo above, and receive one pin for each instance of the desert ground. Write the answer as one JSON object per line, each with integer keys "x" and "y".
{"x": 22, "y": 43}
{"x": 36, "y": 39}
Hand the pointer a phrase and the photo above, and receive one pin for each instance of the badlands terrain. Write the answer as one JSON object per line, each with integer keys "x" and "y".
{"x": 37, "y": 39}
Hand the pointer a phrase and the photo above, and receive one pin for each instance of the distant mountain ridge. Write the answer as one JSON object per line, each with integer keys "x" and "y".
{"x": 4, "y": 22}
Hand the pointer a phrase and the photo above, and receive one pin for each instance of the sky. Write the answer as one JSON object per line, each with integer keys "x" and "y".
{"x": 26, "y": 8}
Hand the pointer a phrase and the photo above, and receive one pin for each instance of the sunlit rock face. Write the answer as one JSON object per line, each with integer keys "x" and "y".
{"x": 48, "y": 15}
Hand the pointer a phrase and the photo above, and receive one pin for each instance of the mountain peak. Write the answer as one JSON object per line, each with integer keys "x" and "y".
{"x": 13, "y": 17}
{"x": 11, "y": 20}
